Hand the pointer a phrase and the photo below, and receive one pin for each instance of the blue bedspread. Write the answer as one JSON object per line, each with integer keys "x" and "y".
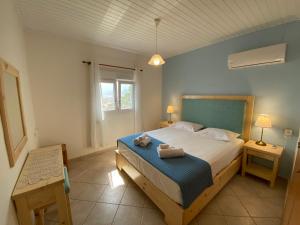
{"x": 192, "y": 174}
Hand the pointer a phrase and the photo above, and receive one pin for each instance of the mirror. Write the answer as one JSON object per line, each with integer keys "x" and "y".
{"x": 11, "y": 111}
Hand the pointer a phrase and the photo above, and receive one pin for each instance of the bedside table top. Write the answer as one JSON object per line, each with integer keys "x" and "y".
{"x": 165, "y": 123}
{"x": 268, "y": 149}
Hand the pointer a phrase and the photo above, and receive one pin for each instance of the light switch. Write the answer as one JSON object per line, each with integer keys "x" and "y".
{"x": 287, "y": 132}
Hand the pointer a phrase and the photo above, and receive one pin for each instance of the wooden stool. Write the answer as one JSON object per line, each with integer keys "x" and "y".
{"x": 40, "y": 213}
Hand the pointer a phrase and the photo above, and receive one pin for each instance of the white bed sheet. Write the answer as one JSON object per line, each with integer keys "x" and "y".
{"x": 218, "y": 154}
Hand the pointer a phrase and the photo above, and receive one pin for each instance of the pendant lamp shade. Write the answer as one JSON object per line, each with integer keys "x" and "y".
{"x": 156, "y": 59}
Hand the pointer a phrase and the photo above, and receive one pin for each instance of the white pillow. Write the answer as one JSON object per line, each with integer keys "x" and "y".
{"x": 188, "y": 126}
{"x": 218, "y": 134}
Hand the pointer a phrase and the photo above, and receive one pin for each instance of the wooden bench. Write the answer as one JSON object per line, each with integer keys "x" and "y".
{"x": 43, "y": 181}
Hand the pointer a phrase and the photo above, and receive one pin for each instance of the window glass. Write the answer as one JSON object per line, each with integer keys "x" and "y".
{"x": 108, "y": 96}
{"x": 126, "y": 95}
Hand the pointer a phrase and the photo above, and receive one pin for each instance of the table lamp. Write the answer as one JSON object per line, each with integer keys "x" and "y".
{"x": 170, "y": 110}
{"x": 263, "y": 121}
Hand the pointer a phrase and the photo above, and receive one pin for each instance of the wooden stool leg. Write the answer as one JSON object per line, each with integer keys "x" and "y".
{"x": 69, "y": 209}
{"x": 23, "y": 212}
{"x": 39, "y": 216}
{"x": 62, "y": 205}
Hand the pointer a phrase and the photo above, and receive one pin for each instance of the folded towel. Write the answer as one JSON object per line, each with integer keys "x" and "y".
{"x": 142, "y": 140}
{"x": 138, "y": 139}
{"x": 164, "y": 146}
{"x": 170, "y": 152}
{"x": 145, "y": 141}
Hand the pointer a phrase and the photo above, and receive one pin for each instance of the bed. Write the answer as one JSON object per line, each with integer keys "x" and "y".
{"x": 227, "y": 112}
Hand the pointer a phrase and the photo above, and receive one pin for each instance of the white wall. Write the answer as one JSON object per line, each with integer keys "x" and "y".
{"x": 12, "y": 49}
{"x": 60, "y": 88}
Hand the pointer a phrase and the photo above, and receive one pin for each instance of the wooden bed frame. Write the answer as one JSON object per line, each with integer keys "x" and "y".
{"x": 174, "y": 213}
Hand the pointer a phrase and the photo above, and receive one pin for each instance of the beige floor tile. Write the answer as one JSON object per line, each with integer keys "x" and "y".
{"x": 227, "y": 191}
{"x": 267, "y": 221}
{"x": 258, "y": 207}
{"x": 239, "y": 220}
{"x": 128, "y": 215}
{"x": 102, "y": 214}
{"x": 152, "y": 217}
{"x": 231, "y": 206}
{"x": 112, "y": 195}
{"x": 211, "y": 220}
{"x": 51, "y": 213}
{"x": 117, "y": 178}
{"x": 93, "y": 176}
{"x": 134, "y": 197}
{"x": 80, "y": 211}
{"x": 212, "y": 208}
{"x": 264, "y": 190}
{"x": 149, "y": 204}
{"x": 86, "y": 191}
{"x": 242, "y": 186}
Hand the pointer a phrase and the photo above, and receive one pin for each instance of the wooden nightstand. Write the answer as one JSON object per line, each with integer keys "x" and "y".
{"x": 163, "y": 124}
{"x": 265, "y": 152}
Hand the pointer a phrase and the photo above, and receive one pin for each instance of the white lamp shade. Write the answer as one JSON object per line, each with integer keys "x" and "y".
{"x": 263, "y": 121}
{"x": 170, "y": 109}
{"x": 156, "y": 60}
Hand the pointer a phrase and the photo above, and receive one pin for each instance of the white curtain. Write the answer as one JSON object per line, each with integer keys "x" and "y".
{"x": 96, "y": 112}
{"x": 138, "y": 120}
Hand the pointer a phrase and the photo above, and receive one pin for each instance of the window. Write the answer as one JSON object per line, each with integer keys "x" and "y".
{"x": 108, "y": 95}
{"x": 121, "y": 98}
{"x": 126, "y": 95}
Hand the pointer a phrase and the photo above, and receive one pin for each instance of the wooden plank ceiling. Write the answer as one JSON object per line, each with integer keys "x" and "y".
{"x": 128, "y": 24}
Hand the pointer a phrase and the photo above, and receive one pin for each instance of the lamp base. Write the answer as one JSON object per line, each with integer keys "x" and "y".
{"x": 170, "y": 121}
{"x": 261, "y": 143}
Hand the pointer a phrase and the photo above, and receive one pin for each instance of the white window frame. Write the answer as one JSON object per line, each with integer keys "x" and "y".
{"x": 119, "y": 83}
{"x": 111, "y": 81}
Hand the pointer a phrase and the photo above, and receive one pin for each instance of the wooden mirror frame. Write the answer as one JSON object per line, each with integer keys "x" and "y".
{"x": 13, "y": 153}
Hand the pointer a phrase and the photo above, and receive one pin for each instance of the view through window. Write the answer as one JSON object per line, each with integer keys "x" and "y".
{"x": 108, "y": 96}
{"x": 127, "y": 95}
{"x": 117, "y": 95}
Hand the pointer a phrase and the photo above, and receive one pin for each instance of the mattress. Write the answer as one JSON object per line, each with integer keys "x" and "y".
{"x": 218, "y": 154}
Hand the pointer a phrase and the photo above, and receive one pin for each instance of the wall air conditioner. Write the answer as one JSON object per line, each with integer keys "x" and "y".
{"x": 269, "y": 55}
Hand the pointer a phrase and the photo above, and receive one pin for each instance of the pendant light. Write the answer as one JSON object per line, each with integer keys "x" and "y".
{"x": 156, "y": 59}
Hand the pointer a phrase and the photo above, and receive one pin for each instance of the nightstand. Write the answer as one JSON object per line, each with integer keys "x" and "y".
{"x": 268, "y": 152}
{"x": 163, "y": 124}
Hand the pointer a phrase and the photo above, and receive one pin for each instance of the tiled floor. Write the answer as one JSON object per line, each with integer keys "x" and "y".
{"x": 101, "y": 195}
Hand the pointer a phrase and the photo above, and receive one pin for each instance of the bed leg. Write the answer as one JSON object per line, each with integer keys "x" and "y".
{"x": 118, "y": 161}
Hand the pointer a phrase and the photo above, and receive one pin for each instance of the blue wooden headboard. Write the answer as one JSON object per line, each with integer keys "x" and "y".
{"x": 227, "y": 112}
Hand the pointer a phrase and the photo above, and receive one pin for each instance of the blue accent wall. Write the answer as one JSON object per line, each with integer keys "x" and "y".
{"x": 276, "y": 87}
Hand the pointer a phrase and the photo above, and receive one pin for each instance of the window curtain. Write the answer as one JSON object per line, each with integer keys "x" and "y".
{"x": 138, "y": 120}
{"x": 95, "y": 111}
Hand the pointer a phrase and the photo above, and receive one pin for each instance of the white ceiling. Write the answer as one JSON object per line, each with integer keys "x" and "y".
{"x": 128, "y": 24}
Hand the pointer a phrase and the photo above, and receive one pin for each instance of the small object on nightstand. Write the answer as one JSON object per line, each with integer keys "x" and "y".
{"x": 170, "y": 110}
{"x": 269, "y": 152}
{"x": 163, "y": 124}
{"x": 263, "y": 121}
